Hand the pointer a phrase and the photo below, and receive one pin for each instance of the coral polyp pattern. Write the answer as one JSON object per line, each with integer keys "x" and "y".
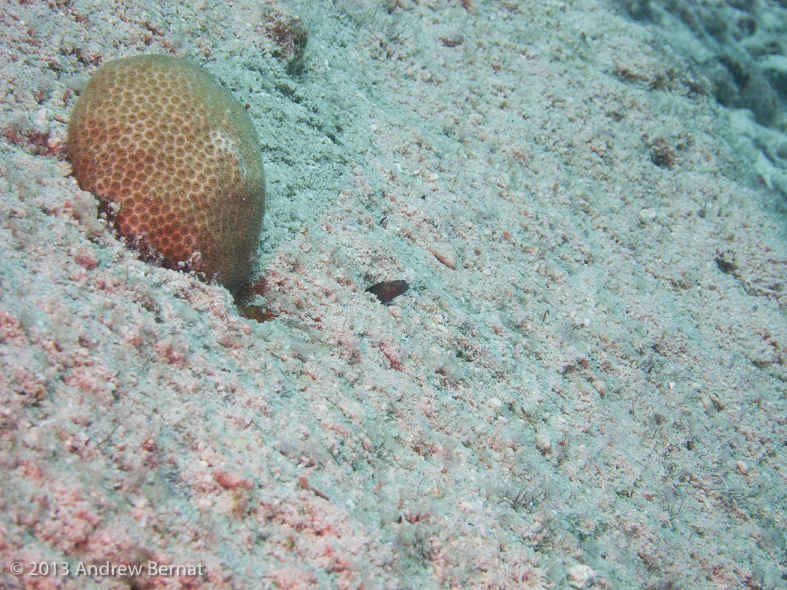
{"x": 179, "y": 157}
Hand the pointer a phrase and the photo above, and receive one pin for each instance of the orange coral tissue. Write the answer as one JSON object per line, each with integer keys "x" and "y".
{"x": 179, "y": 157}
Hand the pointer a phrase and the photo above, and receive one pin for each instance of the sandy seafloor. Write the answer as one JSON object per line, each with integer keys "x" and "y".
{"x": 584, "y": 386}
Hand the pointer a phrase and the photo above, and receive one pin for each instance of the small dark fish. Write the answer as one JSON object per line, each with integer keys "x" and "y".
{"x": 387, "y": 290}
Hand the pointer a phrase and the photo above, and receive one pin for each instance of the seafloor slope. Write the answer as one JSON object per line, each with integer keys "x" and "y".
{"x": 583, "y": 387}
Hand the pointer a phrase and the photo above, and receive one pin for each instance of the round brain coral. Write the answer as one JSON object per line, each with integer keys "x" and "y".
{"x": 180, "y": 158}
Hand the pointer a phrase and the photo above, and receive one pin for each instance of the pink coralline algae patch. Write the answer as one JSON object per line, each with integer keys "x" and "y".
{"x": 72, "y": 521}
{"x": 85, "y": 255}
{"x": 232, "y": 481}
{"x": 293, "y": 578}
{"x": 9, "y": 328}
